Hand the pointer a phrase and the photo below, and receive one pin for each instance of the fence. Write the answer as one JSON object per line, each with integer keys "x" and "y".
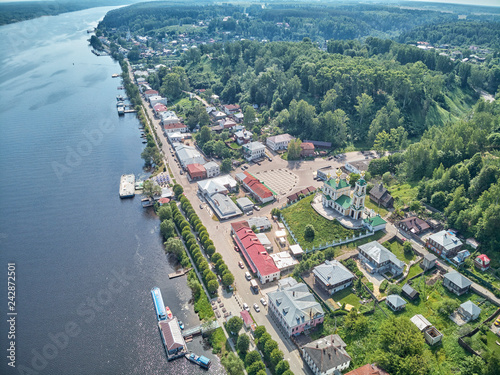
{"x": 466, "y": 346}
{"x": 327, "y": 244}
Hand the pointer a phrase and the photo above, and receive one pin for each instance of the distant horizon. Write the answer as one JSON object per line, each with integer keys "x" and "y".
{"x": 492, "y": 3}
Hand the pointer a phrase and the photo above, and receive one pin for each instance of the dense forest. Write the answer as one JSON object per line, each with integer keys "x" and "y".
{"x": 280, "y": 21}
{"x": 458, "y": 167}
{"x": 462, "y": 33}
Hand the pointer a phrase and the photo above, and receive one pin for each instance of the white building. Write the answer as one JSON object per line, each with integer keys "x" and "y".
{"x": 155, "y": 99}
{"x": 221, "y": 184}
{"x": 279, "y": 142}
{"x": 174, "y": 127}
{"x": 188, "y": 155}
{"x": 169, "y": 117}
{"x": 212, "y": 169}
{"x": 253, "y": 150}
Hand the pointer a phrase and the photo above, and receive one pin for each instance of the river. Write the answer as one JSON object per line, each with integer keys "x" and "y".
{"x": 85, "y": 260}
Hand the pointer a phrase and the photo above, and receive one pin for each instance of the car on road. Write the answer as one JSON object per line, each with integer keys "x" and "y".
{"x": 247, "y": 275}
{"x": 240, "y": 264}
{"x": 236, "y": 248}
{"x": 201, "y": 205}
{"x": 249, "y": 213}
{"x": 256, "y": 208}
{"x": 263, "y": 301}
{"x": 245, "y": 307}
{"x": 256, "y": 307}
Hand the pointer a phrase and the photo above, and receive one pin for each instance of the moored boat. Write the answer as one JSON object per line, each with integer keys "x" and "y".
{"x": 169, "y": 313}
{"x": 161, "y": 313}
{"x": 127, "y": 186}
{"x": 200, "y": 360}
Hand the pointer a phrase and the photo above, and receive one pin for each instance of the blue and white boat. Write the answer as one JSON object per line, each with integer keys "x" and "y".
{"x": 161, "y": 312}
{"x": 201, "y": 361}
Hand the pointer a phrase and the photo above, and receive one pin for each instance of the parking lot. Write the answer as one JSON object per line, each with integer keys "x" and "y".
{"x": 281, "y": 181}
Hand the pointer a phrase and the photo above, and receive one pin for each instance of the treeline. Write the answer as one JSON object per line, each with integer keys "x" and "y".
{"x": 340, "y": 98}
{"x": 458, "y": 167}
{"x": 283, "y": 22}
{"x": 459, "y": 34}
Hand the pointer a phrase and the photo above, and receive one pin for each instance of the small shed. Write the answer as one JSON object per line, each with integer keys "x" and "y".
{"x": 429, "y": 261}
{"x": 409, "y": 292}
{"x": 245, "y": 204}
{"x": 482, "y": 262}
{"x": 296, "y": 250}
{"x": 247, "y": 319}
{"x": 395, "y": 302}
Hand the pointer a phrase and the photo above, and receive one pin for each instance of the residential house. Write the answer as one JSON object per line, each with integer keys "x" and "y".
{"x": 279, "y": 142}
{"x": 254, "y": 253}
{"x": 482, "y": 262}
{"x": 429, "y": 261}
{"x": 173, "y": 127}
{"x": 245, "y": 204}
{"x": 231, "y": 109}
{"x": 188, "y": 155}
{"x": 460, "y": 257}
{"x": 431, "y": 334}
{"x": 380, "y": 195}
{"x": 154, "y": 99}
{"x": 409, "y": 292}
{"x": 212, "y": 169}
{"x": 377, "y": 259}
{"x": 222, "y": 184}
{"x": 243, "y": 136}
{"x": 368, "y": 369}
{"x": 196, "y": 172}
{"x": 218, "y": 115}
{"x": 357, "y": 166}
{"x": 159, "y": 108}
{"x": 253, "y": 151}
{"x": 247, "y": 319}
{"x": 414, "y": 225}
{"x": 169, "y": 117}
{"x": 306, "y": 149}
{"x": 238, "y": 117}
{"x": 456, "y": 283}
{"x": 149, "y": 93}
{"x": 228, "y": 124}
{"x": 332, "y": 276}
{"x": 294, "y": 309}
{"x": 444, "y": 243}
{"x": 469, "y": 311}
{"x": 260, "y": 192}
{"x": 326, "y": 356}
{"x": 395, "y": 302}
{"x": 296, "y": 196}
{"x": 261, "y": 223}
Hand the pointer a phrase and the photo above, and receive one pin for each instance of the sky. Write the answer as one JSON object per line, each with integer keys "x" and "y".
{"x": 469, "y": 2}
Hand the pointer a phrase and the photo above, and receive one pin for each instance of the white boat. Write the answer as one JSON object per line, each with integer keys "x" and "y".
{"x": 127, "y": 186}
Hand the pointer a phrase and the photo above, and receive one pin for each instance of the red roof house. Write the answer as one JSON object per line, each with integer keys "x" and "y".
{"x": 369, "y": 369}
{"x": 230, "y": 108}
{"x": 175, "y": 127}
{"x": 482, "y": 262}
{"x": 306, "y": 149}
{"x": 196, "y": 171}
{"x": 247, "y": 319}
{"x": 258, "y": 190}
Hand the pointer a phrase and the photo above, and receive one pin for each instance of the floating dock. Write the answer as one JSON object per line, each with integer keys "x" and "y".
{"x": 179, "y": 273}
{"x": 127, "y": 186}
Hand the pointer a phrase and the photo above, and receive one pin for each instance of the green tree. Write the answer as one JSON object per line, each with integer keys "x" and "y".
{"x": 401, "y": 354}
{"x": 407, "y": 248}
{"x": 259, "y": 331}
{"x": 281, "y": 367}
{"x": 212, "y": 286}
{"x": 243, "y": 343}
{"x": 446, "y": 306}
{"x": 472, "y": 365}
{"x": 227, "y": 279}
{"x": 364, "y": 109}
{"x": 150, "y": 189}
{"x": 275, "y": 357}
{"x": 234, "y": 325}
{"x": 178, "y": 190}
{"x": 165, "y": 213}
{"x": 438, "y": 200}
{"x": 309, "y": 232}
{"x": 167, "y": 229}
{"x": 174, "y": 246}
{"x": 252, "y": 357}
{"x": 226, "y": 166}
{"x": 261, "y": 343}
{"x": 294, "y": 149}
{"x": 249, "y": 116}
{"x": 204, "y": 135}
{"x": 268, "y": 349}
{"x": 233, "y": 364}
{"x": 255, "y": 367}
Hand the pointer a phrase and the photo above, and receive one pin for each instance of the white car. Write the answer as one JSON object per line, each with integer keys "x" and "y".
{"x": 247, "y": 275}
{"x": 256, "y": 307}
{"x": 263, "y": 301}
{"x": 245, "y": 307}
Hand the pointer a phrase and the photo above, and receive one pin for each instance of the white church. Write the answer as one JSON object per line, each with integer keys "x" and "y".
{"x": 337, "y": 194}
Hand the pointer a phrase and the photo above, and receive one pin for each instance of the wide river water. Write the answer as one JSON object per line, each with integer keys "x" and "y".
{"x": 85, "y": 260}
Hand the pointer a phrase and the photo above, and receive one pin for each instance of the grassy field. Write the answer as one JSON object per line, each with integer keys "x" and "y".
{"x": 403, "y": 193}
{"x": 414, "y": 271}
{"x": 346, "y": 296}
{"x": 397, "y": 249}
{"x": 301, "y": 213}
{"x": 380, "y": 210}
{"x": 234, "y": 146}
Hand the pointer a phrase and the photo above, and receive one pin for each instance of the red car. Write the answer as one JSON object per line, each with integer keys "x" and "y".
{"x": 240, "y": 263}
{"x": 236, "y": 248}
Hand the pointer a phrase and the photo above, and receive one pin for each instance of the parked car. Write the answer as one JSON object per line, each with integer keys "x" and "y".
{"x": 256, "y": 208}
{"x": 240, "y": 264}
{"x": 256, "y": 307}
{"x": 263, "y": 301}
{"x": 247, "y": 275}
{"x": 245, "y": 307}
{"x": 236, "y": 248}
{"x": 249, "y": 213}
{"x": 201, "y": 205}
